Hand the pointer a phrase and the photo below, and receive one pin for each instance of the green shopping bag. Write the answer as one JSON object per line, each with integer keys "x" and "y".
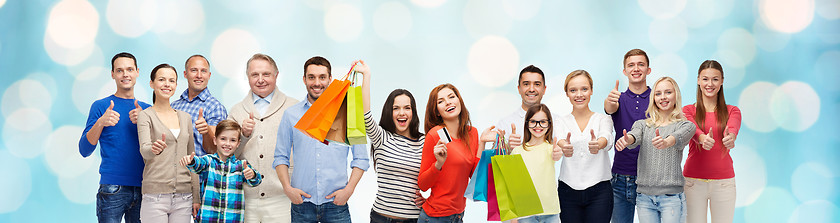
{"x": 515, "y": 190}
{"x": 355, "y": 116}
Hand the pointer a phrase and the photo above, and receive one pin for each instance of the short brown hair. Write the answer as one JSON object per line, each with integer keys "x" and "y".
{"x": 260, "y": 56}
{"x": 225, "y": 125}
{"x": 187, "y": 63}
{"x": 635, "y": 52}
{"x": 317, "y": 60}
{"x": 574, "y": 74}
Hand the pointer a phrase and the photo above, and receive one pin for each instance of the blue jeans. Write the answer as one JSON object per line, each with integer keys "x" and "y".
{"x": 326, "y": 212}
{"x": 114, "y": 202}
{"x": 551, "y": 218}
{"x": 379, "y": 218}
{"x": 593, "y": 204}
{"x": 666, "y": 208}
{"x": 624, "y": 198}
{"x": 455, "y": 218}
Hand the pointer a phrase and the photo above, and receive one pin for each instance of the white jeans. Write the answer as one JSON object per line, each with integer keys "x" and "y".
{"x": 166, "y": 208}
{"x": 268, "y": 209}
{"x": 717, "y": 196}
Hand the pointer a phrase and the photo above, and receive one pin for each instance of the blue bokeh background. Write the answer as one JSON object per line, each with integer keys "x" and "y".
{"x": 781, "y": 60}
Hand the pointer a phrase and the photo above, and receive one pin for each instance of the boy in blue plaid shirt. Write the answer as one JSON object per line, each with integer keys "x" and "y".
{"x": 223, "y": 193}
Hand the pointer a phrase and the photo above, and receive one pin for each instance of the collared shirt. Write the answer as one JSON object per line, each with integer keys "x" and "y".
{"x": 320, "y": 169}
{"x": 518, "y": 118}
{"x": 262, "y": 103}
{"x": 214, "y": 112}
{"x": 631, "y": 107}
{"x": 223, "y": 199}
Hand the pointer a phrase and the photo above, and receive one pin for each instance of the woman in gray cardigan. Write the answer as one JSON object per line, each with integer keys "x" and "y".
{"x": 165, "y": 134}
{"x": 663, "y": 136}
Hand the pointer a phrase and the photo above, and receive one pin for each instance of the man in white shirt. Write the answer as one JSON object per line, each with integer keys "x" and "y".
{"x": 531, "y": 87}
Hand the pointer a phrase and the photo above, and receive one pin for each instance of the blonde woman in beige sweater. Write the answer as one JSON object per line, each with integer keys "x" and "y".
{"x": 165, "y": 135}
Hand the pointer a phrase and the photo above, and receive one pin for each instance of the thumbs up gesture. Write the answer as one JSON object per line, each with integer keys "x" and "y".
{"x": 188, "y": 159}
{"x": 159, "y": 145}
{"x": 515, "y": 139}
{"x": 248, "y": 125}
{"x": 557, "y": 153}
{"x": 109, "y": 117}
{"x": 707, "y": 140}
{"x": 566, "y": 146}
{"x": 135, "y": 112}
{"x": 614, "y": 94}
{"x": 729, "y": 139}
{"x": 201, "y": 123}
{"x": 659, "y": 142}
{"x": 624, "y": 141}
{"x": 594, "y": 146}
{"x": 247, "y": 171}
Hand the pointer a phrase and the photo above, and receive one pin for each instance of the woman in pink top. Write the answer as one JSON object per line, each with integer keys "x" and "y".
{"x": 710, "y": 178}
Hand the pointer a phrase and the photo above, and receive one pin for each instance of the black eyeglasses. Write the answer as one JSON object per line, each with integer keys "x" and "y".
{"x": 542, "y": 123}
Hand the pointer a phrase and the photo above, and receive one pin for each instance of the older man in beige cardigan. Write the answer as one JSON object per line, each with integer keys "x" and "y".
{"x": 259, "y": 114}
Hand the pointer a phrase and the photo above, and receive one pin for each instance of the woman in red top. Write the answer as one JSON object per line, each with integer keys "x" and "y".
{"x": 445, "y": 168}
{"x": 710, "y": 178}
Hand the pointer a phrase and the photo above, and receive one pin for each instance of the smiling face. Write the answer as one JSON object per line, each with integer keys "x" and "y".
{"x": 664, "y": 95}
{"x": 636, "y": 69}
{"x": 262, "y": 77}
{"x": 579, "y": 91}
{"x": 710, "y": 80}
{"x": 164, "y": 83}
{"x": 448, "y": 104}
{"x": 538, "y": 125}
{"x": 316, "y": 79}
{"x": 227, "y": 141}
{"x": 402, "y": 114}
{"x": 197, "y": 74}
{"x": 124, "y": 73}
{"x": 531, "y": 88}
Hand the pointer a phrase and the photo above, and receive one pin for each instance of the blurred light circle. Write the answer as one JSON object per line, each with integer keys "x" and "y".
{"x": 816, "y": 211}
{"x": 26, "y": 93}
{"x": 23, "y": 132}
{"x": 484, "y": 18}
{"x": 231, "y": 51}
{"x": 668, "y": 35}
{"x": 795, "y": 106}
{"x": 812, "y": 181}
{"x": 64, "y": 162}
{"x": 736, "y": 47}
{"x": 773, "y": 205}
{"x": 67, "y": 56}
{"x": 698, "y": 13}
{"x": 428, "y": 3}
{"x": 489, "y": 106}
{"x": 237, "y": 88}
{"x": 767, "y": 39}
{"x": 72, "y": 24}
{"x": 180, "y": 17}
{"x": 17, "y": 183}
{"x": 755, "y": 104}
{"x": 343, "y": 22}
{"x": 750, "y": 174}
{"x": 662, "y": 9}
{"x": 788, "y": 16}
{"x": 81, "y": 189}
{"x": 131, "y": 18}
{"x": 87, "y": 85}
{"x": 828, "y": 9}
{"x": 671, "y": 65}
{"x": 521, "y": 9}
{"x": 826, "y": 69}
{"x": 732, "y": 76}
{"x": 829, "y": 31}
{"x": 558, "y": 103}
{"x": 392, "y": 21}
{"x": 2, "y": 2}
{"x": 493, "y": 61}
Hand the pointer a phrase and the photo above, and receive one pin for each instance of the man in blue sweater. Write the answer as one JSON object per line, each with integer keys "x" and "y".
{"x": 112, "y": 123}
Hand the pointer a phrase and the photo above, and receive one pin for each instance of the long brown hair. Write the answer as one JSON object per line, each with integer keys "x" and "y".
{"x": 433, "y": 117}
{"x": 526, "y": 137}
{"x": 721, "y": 113}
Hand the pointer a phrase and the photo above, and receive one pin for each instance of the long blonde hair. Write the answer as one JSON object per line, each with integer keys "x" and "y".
{"x": 653, "y": 114}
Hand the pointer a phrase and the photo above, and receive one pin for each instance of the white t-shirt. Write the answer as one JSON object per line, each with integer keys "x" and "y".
{"x": 585, "y": 169}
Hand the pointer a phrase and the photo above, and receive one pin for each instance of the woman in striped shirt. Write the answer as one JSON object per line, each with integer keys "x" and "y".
{"x": 396, "y": 148}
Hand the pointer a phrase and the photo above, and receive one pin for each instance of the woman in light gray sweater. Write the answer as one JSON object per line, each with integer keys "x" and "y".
{"x": 663, "y": 136}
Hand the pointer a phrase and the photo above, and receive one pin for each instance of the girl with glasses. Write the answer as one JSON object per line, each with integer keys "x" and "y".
{"x": 539, "y": 155}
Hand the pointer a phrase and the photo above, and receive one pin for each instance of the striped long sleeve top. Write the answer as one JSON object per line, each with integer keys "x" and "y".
{"x": 397, "y": 160}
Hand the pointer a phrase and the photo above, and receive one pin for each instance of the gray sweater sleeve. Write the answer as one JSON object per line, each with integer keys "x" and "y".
{"x": 638, "y": 133}
{"x": 683, "y": 131}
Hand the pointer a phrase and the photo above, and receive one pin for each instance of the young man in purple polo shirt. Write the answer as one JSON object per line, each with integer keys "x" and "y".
{"x": 625, "y": 108}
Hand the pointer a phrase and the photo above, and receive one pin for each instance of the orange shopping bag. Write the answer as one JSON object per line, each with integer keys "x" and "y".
{"x": 316, "y": 122}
